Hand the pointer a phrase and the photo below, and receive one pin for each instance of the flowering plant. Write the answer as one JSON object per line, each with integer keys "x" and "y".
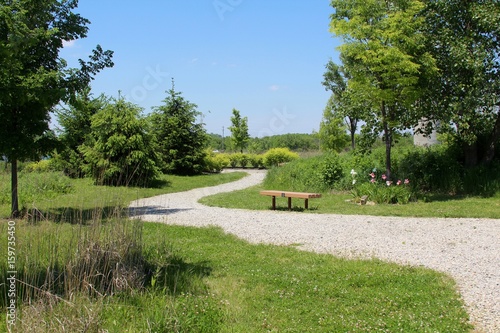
{"x": 384, "y": 190}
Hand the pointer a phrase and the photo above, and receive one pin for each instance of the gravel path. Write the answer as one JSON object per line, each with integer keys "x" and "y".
{"x": 467, "y": 249}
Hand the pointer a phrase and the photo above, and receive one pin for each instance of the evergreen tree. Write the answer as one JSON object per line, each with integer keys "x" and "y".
{"x": 75, "y": 121}
{"x": 121, "y": 151}
{"x": 181, "y": 138}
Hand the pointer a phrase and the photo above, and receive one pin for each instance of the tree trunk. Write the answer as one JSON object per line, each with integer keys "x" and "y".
{"x": 388, "y": 146}
{"x": 388, "y": 141}
{"x": 495, "y": 136}
{"x": 353, "y": 124}
{"x": 15, "y": 199}
{"x": 470, "y": 154}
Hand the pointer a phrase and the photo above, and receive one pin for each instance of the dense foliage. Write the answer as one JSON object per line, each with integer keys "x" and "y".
{"x": 75, "y": 122}
{"x": 120, "y": 149}
{"x": 411, "y": 62}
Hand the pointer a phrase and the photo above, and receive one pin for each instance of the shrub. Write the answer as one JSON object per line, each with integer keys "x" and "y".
{"x": 331, "y": 170}
{"x": 233, "y": 160}
{"x": 215, "y": 162}
{"x": 256, "y": 161}
{"x": 434, "y": 169}
{"x": 244, "y": 160}
{"x": 40, "y": 166}
{"x": 276, "y": 156}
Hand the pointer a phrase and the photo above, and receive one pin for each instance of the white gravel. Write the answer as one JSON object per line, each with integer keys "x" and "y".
{"x": 467, "y": 249}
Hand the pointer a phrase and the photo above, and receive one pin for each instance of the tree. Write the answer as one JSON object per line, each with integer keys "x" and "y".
{"x": 181, "y": 138}
{"x": 464, "y": 38}
{"x": 336, "y": 80}
{"x": 121, "y": 149}
{"x": 384, "y": 54}
{"x": 75, "y": 121}
{"x": 239, "y": 131}
{"x": 332, "y": 129}
{"x": 34, "y": 78}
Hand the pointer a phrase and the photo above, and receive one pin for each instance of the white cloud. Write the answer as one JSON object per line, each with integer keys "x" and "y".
{"x": 69, "y": 43}
{"x": 274, "y": 87}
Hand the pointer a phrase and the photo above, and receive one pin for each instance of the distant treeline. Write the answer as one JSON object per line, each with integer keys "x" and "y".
{"x": 295, "y": 142}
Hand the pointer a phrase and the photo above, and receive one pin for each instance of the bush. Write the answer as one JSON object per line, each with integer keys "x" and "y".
{"x": 331, "y": 170}
{"x": 40, "y": 166}
{"x": 433, "y": 169}
{"x": 276, "y": 156}
{"x": 215, "y": 162}
{"x": 256, "y": 161}
{"x": 233, "y": 160}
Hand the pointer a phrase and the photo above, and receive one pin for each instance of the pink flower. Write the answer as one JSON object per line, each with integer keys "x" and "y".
{"x": 399, "y": 182}
{"x": 373, "y": 180}
{"x": 372, "y": 175}
{"x": 407, "y": 181}
{"x": 384, "y": 177}
{"x": 388, "y": 183}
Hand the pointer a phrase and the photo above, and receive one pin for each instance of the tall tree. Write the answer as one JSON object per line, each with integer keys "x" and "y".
{"x": 239, "y": 131}
{"x": 464, "y": 38}
{"x": 34, "y": 78}
{"x": 384, "y": 55}
{"x": 181, "y": 137}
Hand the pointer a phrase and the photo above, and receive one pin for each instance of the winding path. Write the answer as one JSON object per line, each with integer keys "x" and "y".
{"x": 467, "y": 249}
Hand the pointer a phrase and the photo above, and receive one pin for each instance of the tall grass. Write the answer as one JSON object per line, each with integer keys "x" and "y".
{"x": 83, "y": 275}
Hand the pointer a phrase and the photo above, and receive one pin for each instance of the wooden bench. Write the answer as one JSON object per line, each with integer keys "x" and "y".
{"x": 290, "y": 195}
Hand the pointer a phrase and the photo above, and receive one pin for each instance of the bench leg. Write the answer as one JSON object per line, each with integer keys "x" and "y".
{"x": 289, "y": 203}
{"x": 274, "y": 202}
{"x": 306, "y": 203}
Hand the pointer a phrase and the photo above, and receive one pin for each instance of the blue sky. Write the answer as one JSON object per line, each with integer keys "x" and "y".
{"x": 265, "y": 58}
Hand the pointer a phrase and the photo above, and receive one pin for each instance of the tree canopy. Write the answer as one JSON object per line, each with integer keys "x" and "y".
{"x": 34, "y": 78}
{"x": 464, "y": 39}
{"x": 384, "y": 56}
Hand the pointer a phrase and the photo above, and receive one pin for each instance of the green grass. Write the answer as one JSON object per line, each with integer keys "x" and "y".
{"x": 84, "y": 196}
{"x": 339, "y": 203}
{"x": 208, "y": 281}
{"x": 179, "y": 279}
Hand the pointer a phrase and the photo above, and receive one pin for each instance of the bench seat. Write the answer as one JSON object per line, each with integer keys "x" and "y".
{"x": 287, "y": 194}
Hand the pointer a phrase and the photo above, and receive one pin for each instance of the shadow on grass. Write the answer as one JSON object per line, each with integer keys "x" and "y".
{"x": 177, "y": 276}
{"x": 154, "y": 210}
{"x": 79, "y": 216}
{"x": 294, "y": 209}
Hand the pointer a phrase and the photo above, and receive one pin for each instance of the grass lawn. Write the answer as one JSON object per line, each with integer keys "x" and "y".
{"x": 180, "y": 279}
{"x": 339, "y": 203}
{"x": 206, "y": 281}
